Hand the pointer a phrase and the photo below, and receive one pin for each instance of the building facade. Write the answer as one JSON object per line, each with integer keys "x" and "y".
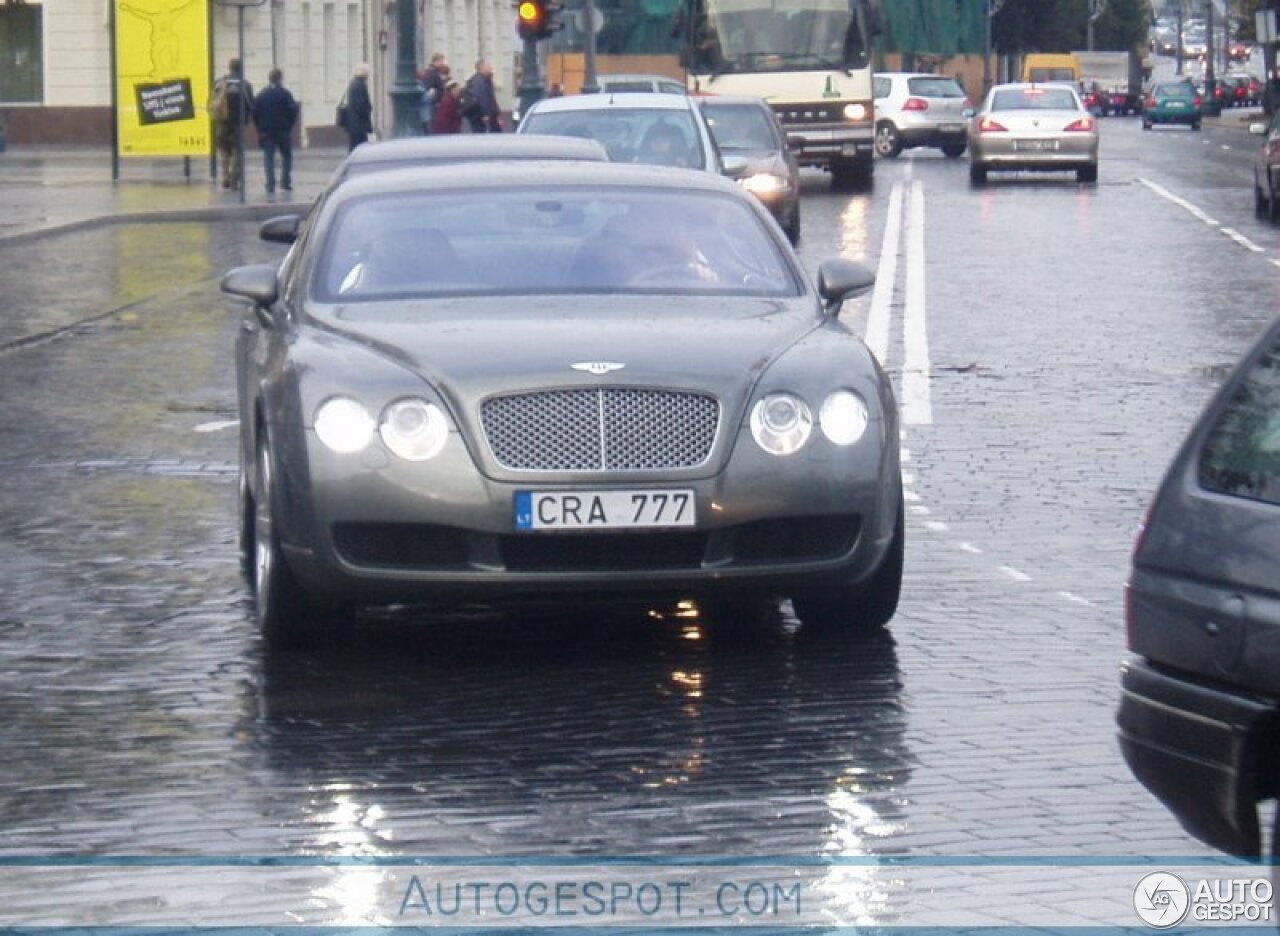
{"x": 55, "y": 56}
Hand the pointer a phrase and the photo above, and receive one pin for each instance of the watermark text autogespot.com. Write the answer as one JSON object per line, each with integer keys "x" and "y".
{"x": 563, "y": 899}
{"x": 1163, "y": 899}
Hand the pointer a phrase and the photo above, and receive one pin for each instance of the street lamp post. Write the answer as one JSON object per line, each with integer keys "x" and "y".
{"x": 1210, "y": 105}
{"x": 405, "y": 93}
{"x": 991, "y": 8}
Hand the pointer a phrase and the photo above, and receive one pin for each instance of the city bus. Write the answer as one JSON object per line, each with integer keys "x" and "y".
{"x": 810, "y": 59}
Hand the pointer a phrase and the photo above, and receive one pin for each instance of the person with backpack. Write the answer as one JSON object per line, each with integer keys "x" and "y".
{"x": 274, "y": 113}
{"x": 479, "y": 102}
{"x": 232, "y": 110}
{"x": 357, "y": 108}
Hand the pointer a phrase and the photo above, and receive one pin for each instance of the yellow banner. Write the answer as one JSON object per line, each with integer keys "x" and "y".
{"x": 162, "y": 77}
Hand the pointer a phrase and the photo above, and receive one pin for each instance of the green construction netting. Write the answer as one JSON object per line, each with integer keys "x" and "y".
{"x": 939, "y": 27}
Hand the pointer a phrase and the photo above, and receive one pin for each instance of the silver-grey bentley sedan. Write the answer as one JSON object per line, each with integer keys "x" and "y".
{"x": 545, "y": 379}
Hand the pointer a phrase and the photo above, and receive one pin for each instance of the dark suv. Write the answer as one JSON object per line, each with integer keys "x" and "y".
{"x": 1199, "y": 715}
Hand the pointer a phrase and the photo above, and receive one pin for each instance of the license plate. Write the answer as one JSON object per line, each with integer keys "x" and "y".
{"x": 604, "y": 510}
{"x": 1177, "y": 105}
{"x": 1034, "y": 146}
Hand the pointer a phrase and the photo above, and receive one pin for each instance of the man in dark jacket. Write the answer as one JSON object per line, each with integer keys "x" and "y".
{"x": 357, "y": 111}
{"x": 481, "y": 108}
{"x": 274, "y": 114}
{"x": 232, "y": 110}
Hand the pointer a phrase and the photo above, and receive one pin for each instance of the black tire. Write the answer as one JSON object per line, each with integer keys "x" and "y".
{"x": 977, "y": 173}
{"x": 954, "y": 150}
{"x": 865, "y": 607}
{"x": 1260, "y": 208}
{"x": 1087, "y": 173}
{"x": 792, "y": 227}
{"x": 287, "y": 618}
{"x": 1195, "y": 126}
{"x": 1273, "y": 206}
{"x": 1146, "y": 124}
{"x": 888, "y": 140}
{"x": 244, "y": 535}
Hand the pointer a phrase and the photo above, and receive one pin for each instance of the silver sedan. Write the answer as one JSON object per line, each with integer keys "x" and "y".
{"x": 1038, "y": 127}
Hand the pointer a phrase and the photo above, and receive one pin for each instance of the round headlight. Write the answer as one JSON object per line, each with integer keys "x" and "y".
{"x": 855, "y": 111}
{"x": 343, "y": 425}
{"x": 414, "y": 429}
{"x": 764, "y": 183}
{"x": 781, "y": 423}
{"x": 843, "y": 417}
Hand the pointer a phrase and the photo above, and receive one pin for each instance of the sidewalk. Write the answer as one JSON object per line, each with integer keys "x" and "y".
{"x": 47, "y": 190}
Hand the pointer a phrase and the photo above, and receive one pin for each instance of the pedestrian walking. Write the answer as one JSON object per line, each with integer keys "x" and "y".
{"x": 274, "y": 113}
{"x": 449, "y": 112}
{"x": 357, "y": 108}
{"x": 232, "y": 109}
{"x": 480, "y": 101}
{"x": 432, "y": 81}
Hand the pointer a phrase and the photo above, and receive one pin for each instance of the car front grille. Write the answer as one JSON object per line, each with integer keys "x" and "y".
{"x": 605, "y": 429}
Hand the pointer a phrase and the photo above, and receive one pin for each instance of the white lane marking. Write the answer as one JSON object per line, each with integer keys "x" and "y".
{"x": 937, "y": 526}
{"x": 908, "y": 478}
{"x": 1180, "y": 202}
{"x": 917, "y": 408}
{"x": 886, "y": 275}
{"x": 1275, "y": 263}
{"x": 1075, "y": 598}
{"x": 217, "y": 425}
{"x": 1242, "y": 240}
{"x": 970, "y": 548}
{"x": 1015, "y": 574}
{"x": 911, "y": 497}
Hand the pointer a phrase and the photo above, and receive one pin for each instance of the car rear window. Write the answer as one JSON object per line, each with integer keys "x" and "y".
{"x": 548, "y": 240}
{"x": 1242, "y": 454}
{"x": 629, "y": 134}
{"x": 1178, "y": 90}
{"x": 1034, "y": 99}
{"x": 935, "y": 87}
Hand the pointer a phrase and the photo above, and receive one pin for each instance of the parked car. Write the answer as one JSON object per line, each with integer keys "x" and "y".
{"x": 754, "y": 148}
{"x": 579, "y": 378}
{"x": 915, "y": 109}
{"x": 1171, "y": 102}
{"x": 624, "y": 83}
{"x": 1199, "y": 716}
{"x": 441, "y": 150}
{"x": 1035, "y": 127}
{"x": 1266, "y": 168}
{"x": 643, "y": 127}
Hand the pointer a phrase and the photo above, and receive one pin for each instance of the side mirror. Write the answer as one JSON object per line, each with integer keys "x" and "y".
{"x": 280, "y": 230}
{"x": 840, "y": 279}
{"x": 968, "y": 113}
{"x": 1258, "y": 128}
{"x": 258, "y": 285}
{"x": 733, "y": 166}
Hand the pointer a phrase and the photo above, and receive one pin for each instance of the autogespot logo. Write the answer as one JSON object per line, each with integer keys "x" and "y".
{"x": 1162, "y": 899}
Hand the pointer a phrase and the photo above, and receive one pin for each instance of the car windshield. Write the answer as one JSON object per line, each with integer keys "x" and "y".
{"x": 1033, "y": 99}
{"x": 935, "y": 87}
{"x": 740, "y": 127}
{"x": 655, "y": 136}
{"x": 548, "y": 240}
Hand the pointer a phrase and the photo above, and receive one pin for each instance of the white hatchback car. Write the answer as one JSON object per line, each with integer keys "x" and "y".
{"x": 915, "y": 109}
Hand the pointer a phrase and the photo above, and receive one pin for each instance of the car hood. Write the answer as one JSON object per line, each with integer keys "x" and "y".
{"x": 472, "y": 348}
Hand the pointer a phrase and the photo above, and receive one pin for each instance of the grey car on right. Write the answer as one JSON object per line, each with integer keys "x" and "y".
{"x": 1199, "y": 715}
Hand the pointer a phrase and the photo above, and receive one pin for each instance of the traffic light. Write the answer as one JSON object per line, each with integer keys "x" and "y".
{"x": 537, "y": 19}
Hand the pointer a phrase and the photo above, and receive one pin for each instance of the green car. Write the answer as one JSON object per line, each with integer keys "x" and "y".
{"x": 1171, "y": 102}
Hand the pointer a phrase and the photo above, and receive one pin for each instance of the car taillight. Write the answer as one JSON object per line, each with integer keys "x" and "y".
{"x": 915, "y": 104}
{"x": 1084, "y": 123}
{"x": 1152, "y": 102}
{"x": 1195, "y": 101}
{"x": 987, "y": 125}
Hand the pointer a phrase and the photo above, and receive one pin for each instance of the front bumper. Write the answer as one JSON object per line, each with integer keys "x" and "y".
{"x": 369, "y": 529}
{"x": 1198, "y": 748}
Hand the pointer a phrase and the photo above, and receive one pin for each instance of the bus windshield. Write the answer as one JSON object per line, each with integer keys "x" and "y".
{"x": 777, "y": 35}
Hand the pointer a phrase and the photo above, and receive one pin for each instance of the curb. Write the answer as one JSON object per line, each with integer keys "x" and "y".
{"x": 232, "y": 212}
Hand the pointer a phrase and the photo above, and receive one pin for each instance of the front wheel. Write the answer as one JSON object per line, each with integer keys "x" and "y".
{"x": 287, "y": 617}
{"x": 953, "y": 150}
{"x": 865, "y": 607}
{"x": 1196, "y": 125}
